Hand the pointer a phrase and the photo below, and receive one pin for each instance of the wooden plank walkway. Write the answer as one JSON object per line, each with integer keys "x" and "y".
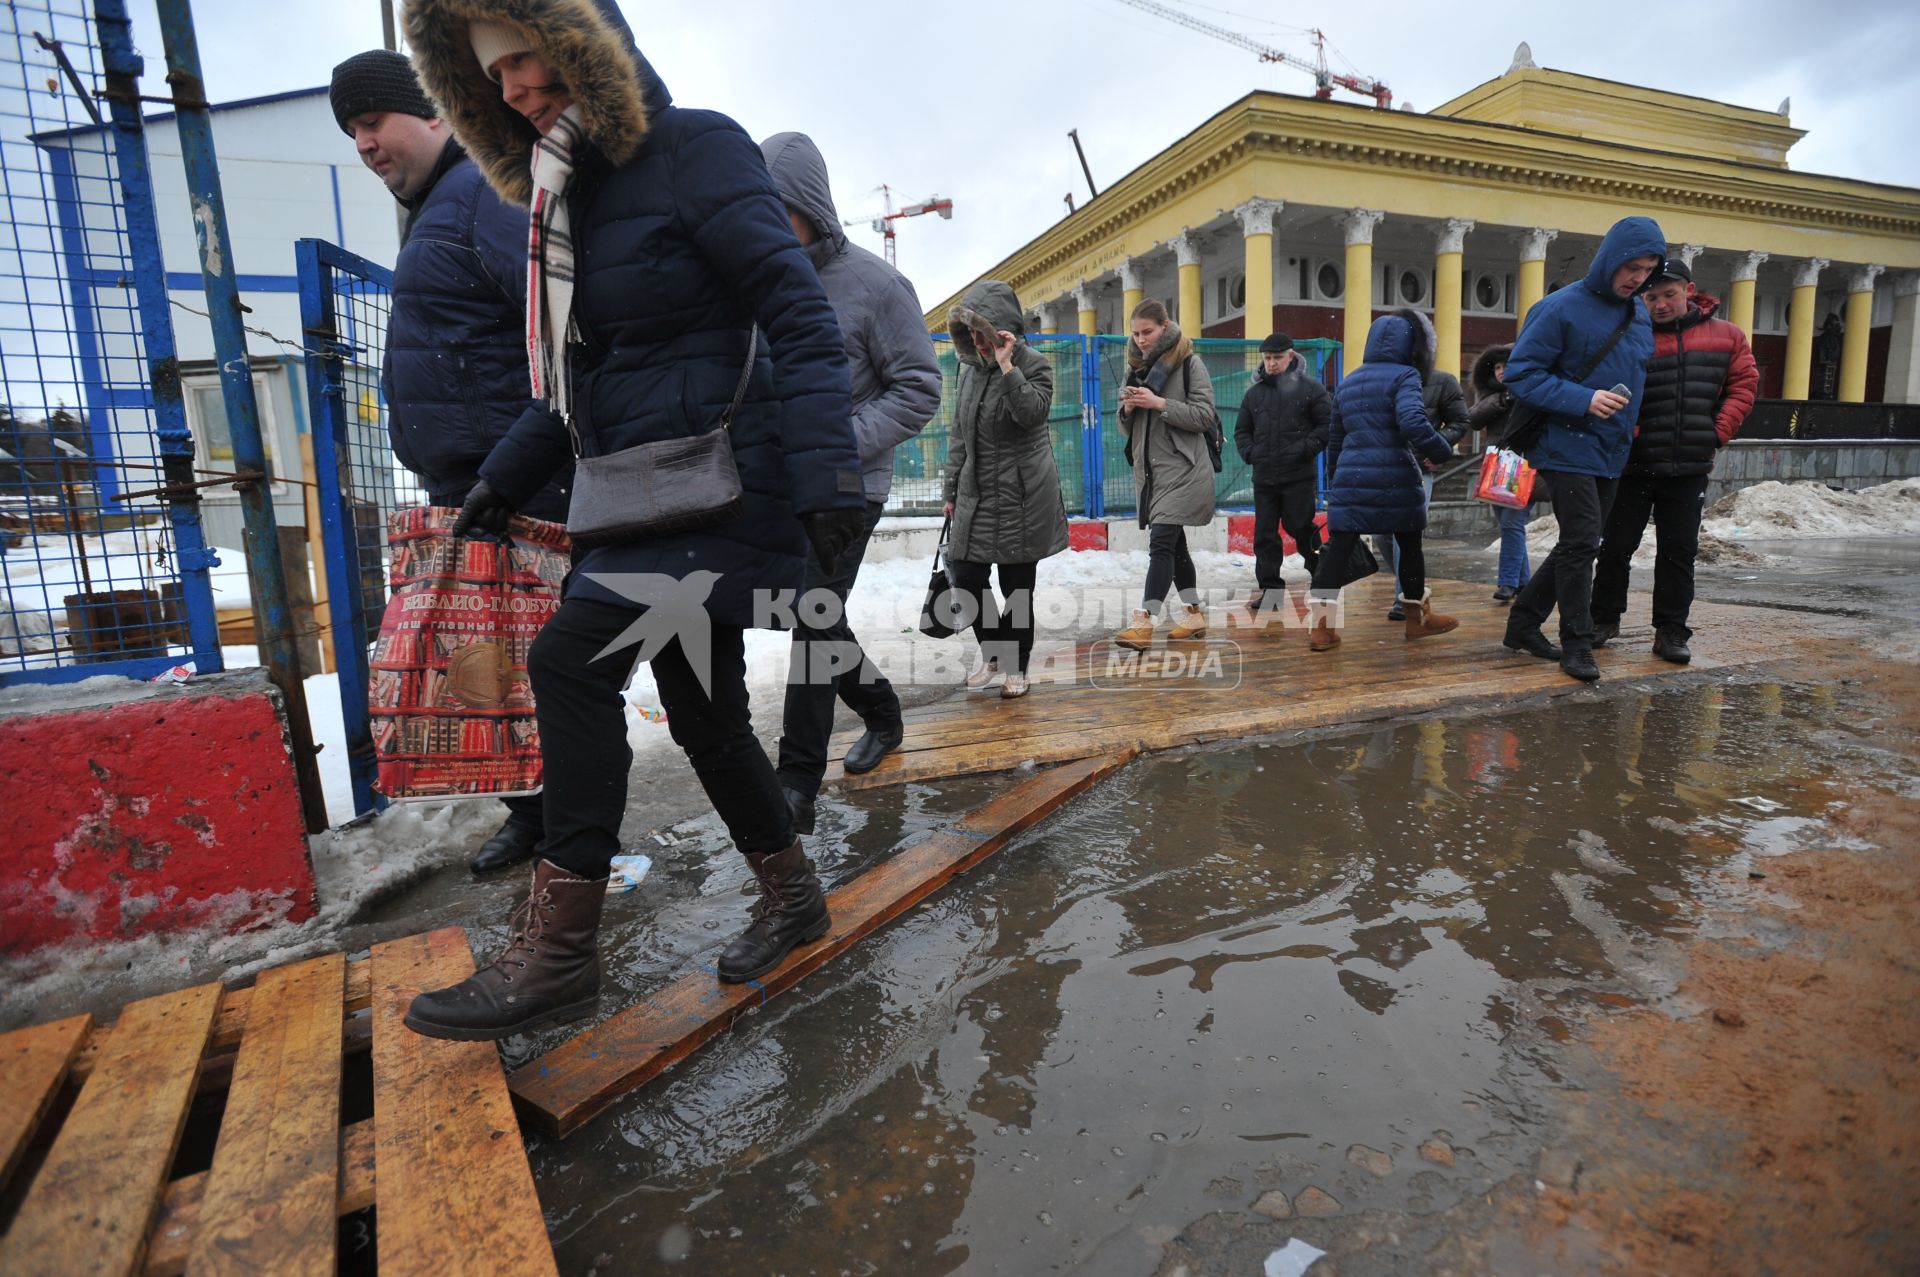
{"x": 578, "y": 1079}
{"x": 455, "y": 1196}
{"x": 1085, "y": 702}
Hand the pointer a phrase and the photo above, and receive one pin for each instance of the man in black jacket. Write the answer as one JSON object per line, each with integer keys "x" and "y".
{"x": 1281, "y": 428}
{"x": 456, "y": 357}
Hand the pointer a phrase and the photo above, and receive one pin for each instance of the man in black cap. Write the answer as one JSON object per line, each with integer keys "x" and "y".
{"x": 456, "y": 359}
{"x": 1281, "y": 429}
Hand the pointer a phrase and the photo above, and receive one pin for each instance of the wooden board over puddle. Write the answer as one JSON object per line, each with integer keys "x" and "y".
{"x": 578, "y": 1079}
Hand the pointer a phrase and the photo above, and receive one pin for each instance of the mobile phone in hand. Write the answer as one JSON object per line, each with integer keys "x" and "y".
{"x": 1620, "y": 388}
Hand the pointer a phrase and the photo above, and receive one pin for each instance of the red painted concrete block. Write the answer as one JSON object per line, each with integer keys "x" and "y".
{"x": 133, "y": 809}
{"x": 1086, "y": 534}
{"x": 1240, "y": 534}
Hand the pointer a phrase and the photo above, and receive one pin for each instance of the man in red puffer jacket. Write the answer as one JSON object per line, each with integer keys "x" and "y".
{"x": 1701, "y": 384}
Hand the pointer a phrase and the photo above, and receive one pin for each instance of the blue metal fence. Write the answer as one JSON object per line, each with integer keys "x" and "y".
{"x": 1089, "y": 450}
{"x": 102, "y": 565}
{"x": 344, "y": 304}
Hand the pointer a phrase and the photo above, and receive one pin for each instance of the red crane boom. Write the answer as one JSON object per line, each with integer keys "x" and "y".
{"x": 1325, "y": 80}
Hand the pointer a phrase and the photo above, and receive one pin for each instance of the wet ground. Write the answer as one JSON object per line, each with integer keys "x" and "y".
{"x": 1333, "y": 974}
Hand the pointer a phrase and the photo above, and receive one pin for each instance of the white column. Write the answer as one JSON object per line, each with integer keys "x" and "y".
{"x": 1903, "y": 353}
{"x": 1687, "y": 252}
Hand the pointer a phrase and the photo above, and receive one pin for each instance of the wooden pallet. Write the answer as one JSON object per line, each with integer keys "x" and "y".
{"x": 578, "y": 1079}
{"x": 95, "y": 1114}
{"x": 1077, "y": 709}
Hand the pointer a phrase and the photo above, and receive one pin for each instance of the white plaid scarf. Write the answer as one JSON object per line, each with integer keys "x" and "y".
{"x": 550, "y": 262}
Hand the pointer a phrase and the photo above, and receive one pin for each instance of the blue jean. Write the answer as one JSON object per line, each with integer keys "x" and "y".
{"x": 1514, "y": 565}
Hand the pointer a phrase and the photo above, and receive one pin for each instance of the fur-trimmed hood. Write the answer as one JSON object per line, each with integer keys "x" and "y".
{"x": 1483, "y": 380}
{"x": 989, "y": 308}
{"x": 591, "y": 49}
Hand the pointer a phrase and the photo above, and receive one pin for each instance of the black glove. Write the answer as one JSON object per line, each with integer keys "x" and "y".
{"x": 832, "y": 531}
{"x": 484, "y": 512}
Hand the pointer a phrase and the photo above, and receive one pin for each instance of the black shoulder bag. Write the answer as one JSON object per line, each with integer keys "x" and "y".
{"x": 1526, "y": 424}
{"x": 654, "y": 489}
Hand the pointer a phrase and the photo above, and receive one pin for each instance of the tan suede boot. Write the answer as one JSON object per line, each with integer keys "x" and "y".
{"x": 1192, "y": 624}
{"x": 1423, "y": 621}
{"x": 1323, "y": 637}
{"x": 1139, "y": 634}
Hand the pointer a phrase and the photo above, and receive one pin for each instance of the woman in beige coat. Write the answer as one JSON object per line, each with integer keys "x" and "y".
{"x": 1167, "y": 415}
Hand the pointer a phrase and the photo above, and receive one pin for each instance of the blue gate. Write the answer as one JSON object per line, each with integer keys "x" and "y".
{"x": 344, "y": 304}
{"x": 103, "y": 569}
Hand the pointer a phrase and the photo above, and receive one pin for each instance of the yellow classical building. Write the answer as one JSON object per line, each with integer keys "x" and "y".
{"x": 1309, "y": 216}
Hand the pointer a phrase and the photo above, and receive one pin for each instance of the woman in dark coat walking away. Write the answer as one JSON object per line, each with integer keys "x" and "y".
{"x": 1491, "y": 405}
{"x": 1002, "y": 487}
{"x": 1374, "y": 478}
{"x": 1166, "y": 413}
{"x": 658, "y": 245}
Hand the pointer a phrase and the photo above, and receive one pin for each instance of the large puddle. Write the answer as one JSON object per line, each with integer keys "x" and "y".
{"x": 1220, "y": 973}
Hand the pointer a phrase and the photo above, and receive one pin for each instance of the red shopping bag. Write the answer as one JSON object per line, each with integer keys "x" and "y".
{"x": 451, "y": 706}
{"x": 1505, "y": 479}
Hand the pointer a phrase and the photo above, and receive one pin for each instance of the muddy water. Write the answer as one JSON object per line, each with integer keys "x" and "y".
{"x": 1224, "y": 972}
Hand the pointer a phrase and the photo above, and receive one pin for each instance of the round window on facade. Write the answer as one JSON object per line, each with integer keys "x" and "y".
{"x": 1328, "y": 281}
{"x": 1239, "y": 292}
{"x": 1486, "y": 293}
{"x": 1413, "y": 289}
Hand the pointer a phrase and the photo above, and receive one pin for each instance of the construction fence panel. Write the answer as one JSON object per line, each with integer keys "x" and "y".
{"x": 345, "y": 301}
{"x": 1231, "y": 363}
{"x": 103, "y": 568}
{"x": 919, "y": 465}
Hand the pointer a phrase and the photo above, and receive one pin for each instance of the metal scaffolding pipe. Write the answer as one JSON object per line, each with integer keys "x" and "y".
{"x": 273, "y": 614}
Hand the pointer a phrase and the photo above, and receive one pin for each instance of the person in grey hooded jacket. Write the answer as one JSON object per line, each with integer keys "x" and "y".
{"x": 896, "y": 391}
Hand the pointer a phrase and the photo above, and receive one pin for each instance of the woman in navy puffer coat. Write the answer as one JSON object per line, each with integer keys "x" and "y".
{"x": 662, "y": 228}
{"x": 1373, "y": 476}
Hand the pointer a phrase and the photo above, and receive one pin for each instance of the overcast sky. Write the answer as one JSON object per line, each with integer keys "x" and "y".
{"x": 930, "y": 99}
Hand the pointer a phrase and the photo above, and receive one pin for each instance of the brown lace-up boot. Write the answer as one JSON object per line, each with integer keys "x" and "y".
{"x": 792, "y": 909}
{"x": 549, "y": 971}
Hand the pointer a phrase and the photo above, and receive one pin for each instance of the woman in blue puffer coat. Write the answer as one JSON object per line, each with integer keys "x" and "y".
{"x": 664, "y": 279}
{"x": 1378, "y": 433}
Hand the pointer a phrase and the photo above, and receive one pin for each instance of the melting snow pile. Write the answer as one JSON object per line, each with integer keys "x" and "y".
{"x": 1773, "y": 511}
{"x": 1801, "y": 510}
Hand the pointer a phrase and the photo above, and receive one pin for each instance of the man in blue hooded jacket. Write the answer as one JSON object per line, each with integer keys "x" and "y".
{"x": 456, "y": 358}
{"x": 1578, "y": 344}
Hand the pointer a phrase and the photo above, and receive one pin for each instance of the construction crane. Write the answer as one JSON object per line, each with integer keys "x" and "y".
{"x": 1324, "y": 79}
{"x": 883, "y": 222}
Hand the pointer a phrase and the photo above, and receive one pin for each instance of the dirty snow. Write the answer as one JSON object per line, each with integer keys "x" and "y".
{"x": 1772, "y": 511}
{"x": 1814, "y": 510}
{"x": 354, "y": 868}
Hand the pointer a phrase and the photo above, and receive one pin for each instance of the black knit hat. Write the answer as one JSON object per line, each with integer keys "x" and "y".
{"x": 1276, "y": 344}
{"x": 377, "y": 80}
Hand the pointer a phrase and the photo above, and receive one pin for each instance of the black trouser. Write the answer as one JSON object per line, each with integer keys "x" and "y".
{"x": 1675, "y": 504}
{"x": 1005, "y": 634}
{"x": 583, "y": 734}
{"x": 827, "y": 662}
{"x": 1168, "y": 565}
{"x": 1339, "y": 550}
{"x": 1290, "y": 504}
{"x": 1565, "y": 580}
